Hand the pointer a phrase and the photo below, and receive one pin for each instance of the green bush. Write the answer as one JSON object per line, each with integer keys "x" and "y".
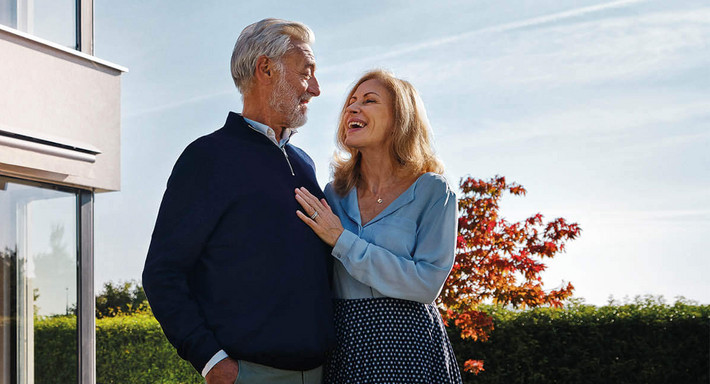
{"x": 644, "y": 342}
{"x": 129, "y": 349}
{"x": 133, "y": 349}
{"x": 55, "y": 350}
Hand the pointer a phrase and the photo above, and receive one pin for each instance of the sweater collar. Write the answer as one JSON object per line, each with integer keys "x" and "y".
{"x": 269, "y": 132}
{"x": 237, "y": 120}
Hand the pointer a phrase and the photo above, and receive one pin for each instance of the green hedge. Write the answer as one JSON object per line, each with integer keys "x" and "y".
{"x": 133, "y": 349}
{"x": 55, "y": 350}
{"x": 129, "y": 349}
{"x": 646, "y": 342}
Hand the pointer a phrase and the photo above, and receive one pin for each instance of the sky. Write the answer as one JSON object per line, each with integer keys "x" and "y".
{"x": 600, "y": 109}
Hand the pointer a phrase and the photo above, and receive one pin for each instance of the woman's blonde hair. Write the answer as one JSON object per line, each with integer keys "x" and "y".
{"x": 411, "y": 140}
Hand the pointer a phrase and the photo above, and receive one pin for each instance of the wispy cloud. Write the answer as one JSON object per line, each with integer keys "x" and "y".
{"x": 646, "y": 216}
{"x": 600, "y": 121}
{"x": 650, "y": 147}
{"x": 177, "y": 104}
{"x": 577, "y": 53}
{"x": 531, "y": 22}
{"x": 642, "y": 46}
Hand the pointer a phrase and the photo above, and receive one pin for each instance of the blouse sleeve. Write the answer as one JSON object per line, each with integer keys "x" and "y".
{"x": 416, "y": 277}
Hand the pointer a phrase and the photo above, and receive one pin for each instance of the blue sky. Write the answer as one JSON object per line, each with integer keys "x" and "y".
{"x": 601, "y": 109}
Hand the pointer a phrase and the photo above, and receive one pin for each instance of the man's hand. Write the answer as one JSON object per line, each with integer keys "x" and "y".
{"x": 224, "y": 372}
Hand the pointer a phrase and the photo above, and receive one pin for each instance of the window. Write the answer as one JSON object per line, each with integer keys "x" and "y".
{"x": 38, "y": 280}
{"x": 53, "y": 20}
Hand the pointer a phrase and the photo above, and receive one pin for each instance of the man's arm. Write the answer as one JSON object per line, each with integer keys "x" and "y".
{"x": 190, "y": 210}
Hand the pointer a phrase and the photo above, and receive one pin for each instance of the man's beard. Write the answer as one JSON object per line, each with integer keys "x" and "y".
{"x": 285, "y": 101}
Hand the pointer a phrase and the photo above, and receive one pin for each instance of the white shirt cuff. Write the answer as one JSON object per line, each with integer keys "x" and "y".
{"x": 219, "y": 356}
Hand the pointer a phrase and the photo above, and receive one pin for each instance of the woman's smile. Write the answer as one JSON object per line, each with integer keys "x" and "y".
{"x": 369, "y": 116}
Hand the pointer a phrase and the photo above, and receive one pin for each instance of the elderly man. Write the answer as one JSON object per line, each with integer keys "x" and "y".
{"x": 238, "y": 283}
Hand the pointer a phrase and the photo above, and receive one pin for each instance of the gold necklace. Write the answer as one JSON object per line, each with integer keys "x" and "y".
{"x": 379, "y": 196}
{"x": 392, "y": 185}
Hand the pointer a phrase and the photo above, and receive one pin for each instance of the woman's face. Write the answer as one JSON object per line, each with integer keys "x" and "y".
{"x": 368, "y": 117}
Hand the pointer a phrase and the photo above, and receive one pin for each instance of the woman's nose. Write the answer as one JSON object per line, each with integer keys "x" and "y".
{"x": 353, "y": 107}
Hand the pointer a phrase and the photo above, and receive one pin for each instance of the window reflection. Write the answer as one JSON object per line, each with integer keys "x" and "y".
{"x": 8, "y": 13}
{"x": 38, "y": 272}
{"x": 53, "y": 20}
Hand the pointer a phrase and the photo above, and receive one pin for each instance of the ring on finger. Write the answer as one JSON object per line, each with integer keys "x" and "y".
{"x": 314, "y": 215}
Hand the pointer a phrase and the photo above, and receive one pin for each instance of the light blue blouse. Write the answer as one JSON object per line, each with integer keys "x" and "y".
{"x": 405, "y": 252}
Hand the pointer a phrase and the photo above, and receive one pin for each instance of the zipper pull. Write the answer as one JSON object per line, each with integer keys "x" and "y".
{"x": 283, "y": 149}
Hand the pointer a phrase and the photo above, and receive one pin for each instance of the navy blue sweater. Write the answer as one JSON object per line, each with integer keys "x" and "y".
{"x": 230, "y": 265}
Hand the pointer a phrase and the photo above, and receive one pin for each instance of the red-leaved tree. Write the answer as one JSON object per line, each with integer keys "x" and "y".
{"x": 499, "y": 262}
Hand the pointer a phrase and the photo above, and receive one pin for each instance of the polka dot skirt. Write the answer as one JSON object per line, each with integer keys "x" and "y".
{"x": 389, "y": 340}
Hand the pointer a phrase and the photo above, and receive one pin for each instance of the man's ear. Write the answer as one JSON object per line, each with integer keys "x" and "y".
{"x": 264, "y": 72}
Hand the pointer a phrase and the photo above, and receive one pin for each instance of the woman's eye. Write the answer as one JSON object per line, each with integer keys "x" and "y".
{"x": 368, "y": 101}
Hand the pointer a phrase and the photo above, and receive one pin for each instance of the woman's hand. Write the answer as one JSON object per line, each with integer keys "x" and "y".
{"x": 319, "y": 217}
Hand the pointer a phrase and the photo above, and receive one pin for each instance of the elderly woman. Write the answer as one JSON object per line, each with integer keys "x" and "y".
{"x": 391, "y": 220}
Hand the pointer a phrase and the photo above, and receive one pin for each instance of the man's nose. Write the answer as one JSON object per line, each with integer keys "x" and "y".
{"x": 313, "y": 87}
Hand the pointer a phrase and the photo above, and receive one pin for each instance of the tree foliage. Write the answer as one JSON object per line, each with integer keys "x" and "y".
{"x": 121, "y": 298}
{"x": 499, "y": 262}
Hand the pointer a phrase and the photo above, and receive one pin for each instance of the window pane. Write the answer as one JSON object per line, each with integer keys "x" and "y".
{"x": 8, "y": 13}
{"x": 38, "y": 297}
{"x": 55, "y": 20}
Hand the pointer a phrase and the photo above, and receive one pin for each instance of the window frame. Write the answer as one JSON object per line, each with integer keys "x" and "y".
{"x": 86, "y": 323}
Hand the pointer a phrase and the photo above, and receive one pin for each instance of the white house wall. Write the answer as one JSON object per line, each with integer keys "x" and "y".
{"x": 60, "y": 96}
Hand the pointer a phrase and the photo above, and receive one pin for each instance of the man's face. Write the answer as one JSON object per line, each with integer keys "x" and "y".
{"x": 295, "y": 86}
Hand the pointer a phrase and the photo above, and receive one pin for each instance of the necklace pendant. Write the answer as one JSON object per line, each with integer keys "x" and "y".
{"x": 379, "y": 200}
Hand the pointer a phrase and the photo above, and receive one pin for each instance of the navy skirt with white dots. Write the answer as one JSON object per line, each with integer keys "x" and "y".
{"x": 388, "y": 340}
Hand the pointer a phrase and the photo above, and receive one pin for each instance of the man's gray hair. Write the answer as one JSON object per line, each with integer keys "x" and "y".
{"x": 269, "y": 37}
